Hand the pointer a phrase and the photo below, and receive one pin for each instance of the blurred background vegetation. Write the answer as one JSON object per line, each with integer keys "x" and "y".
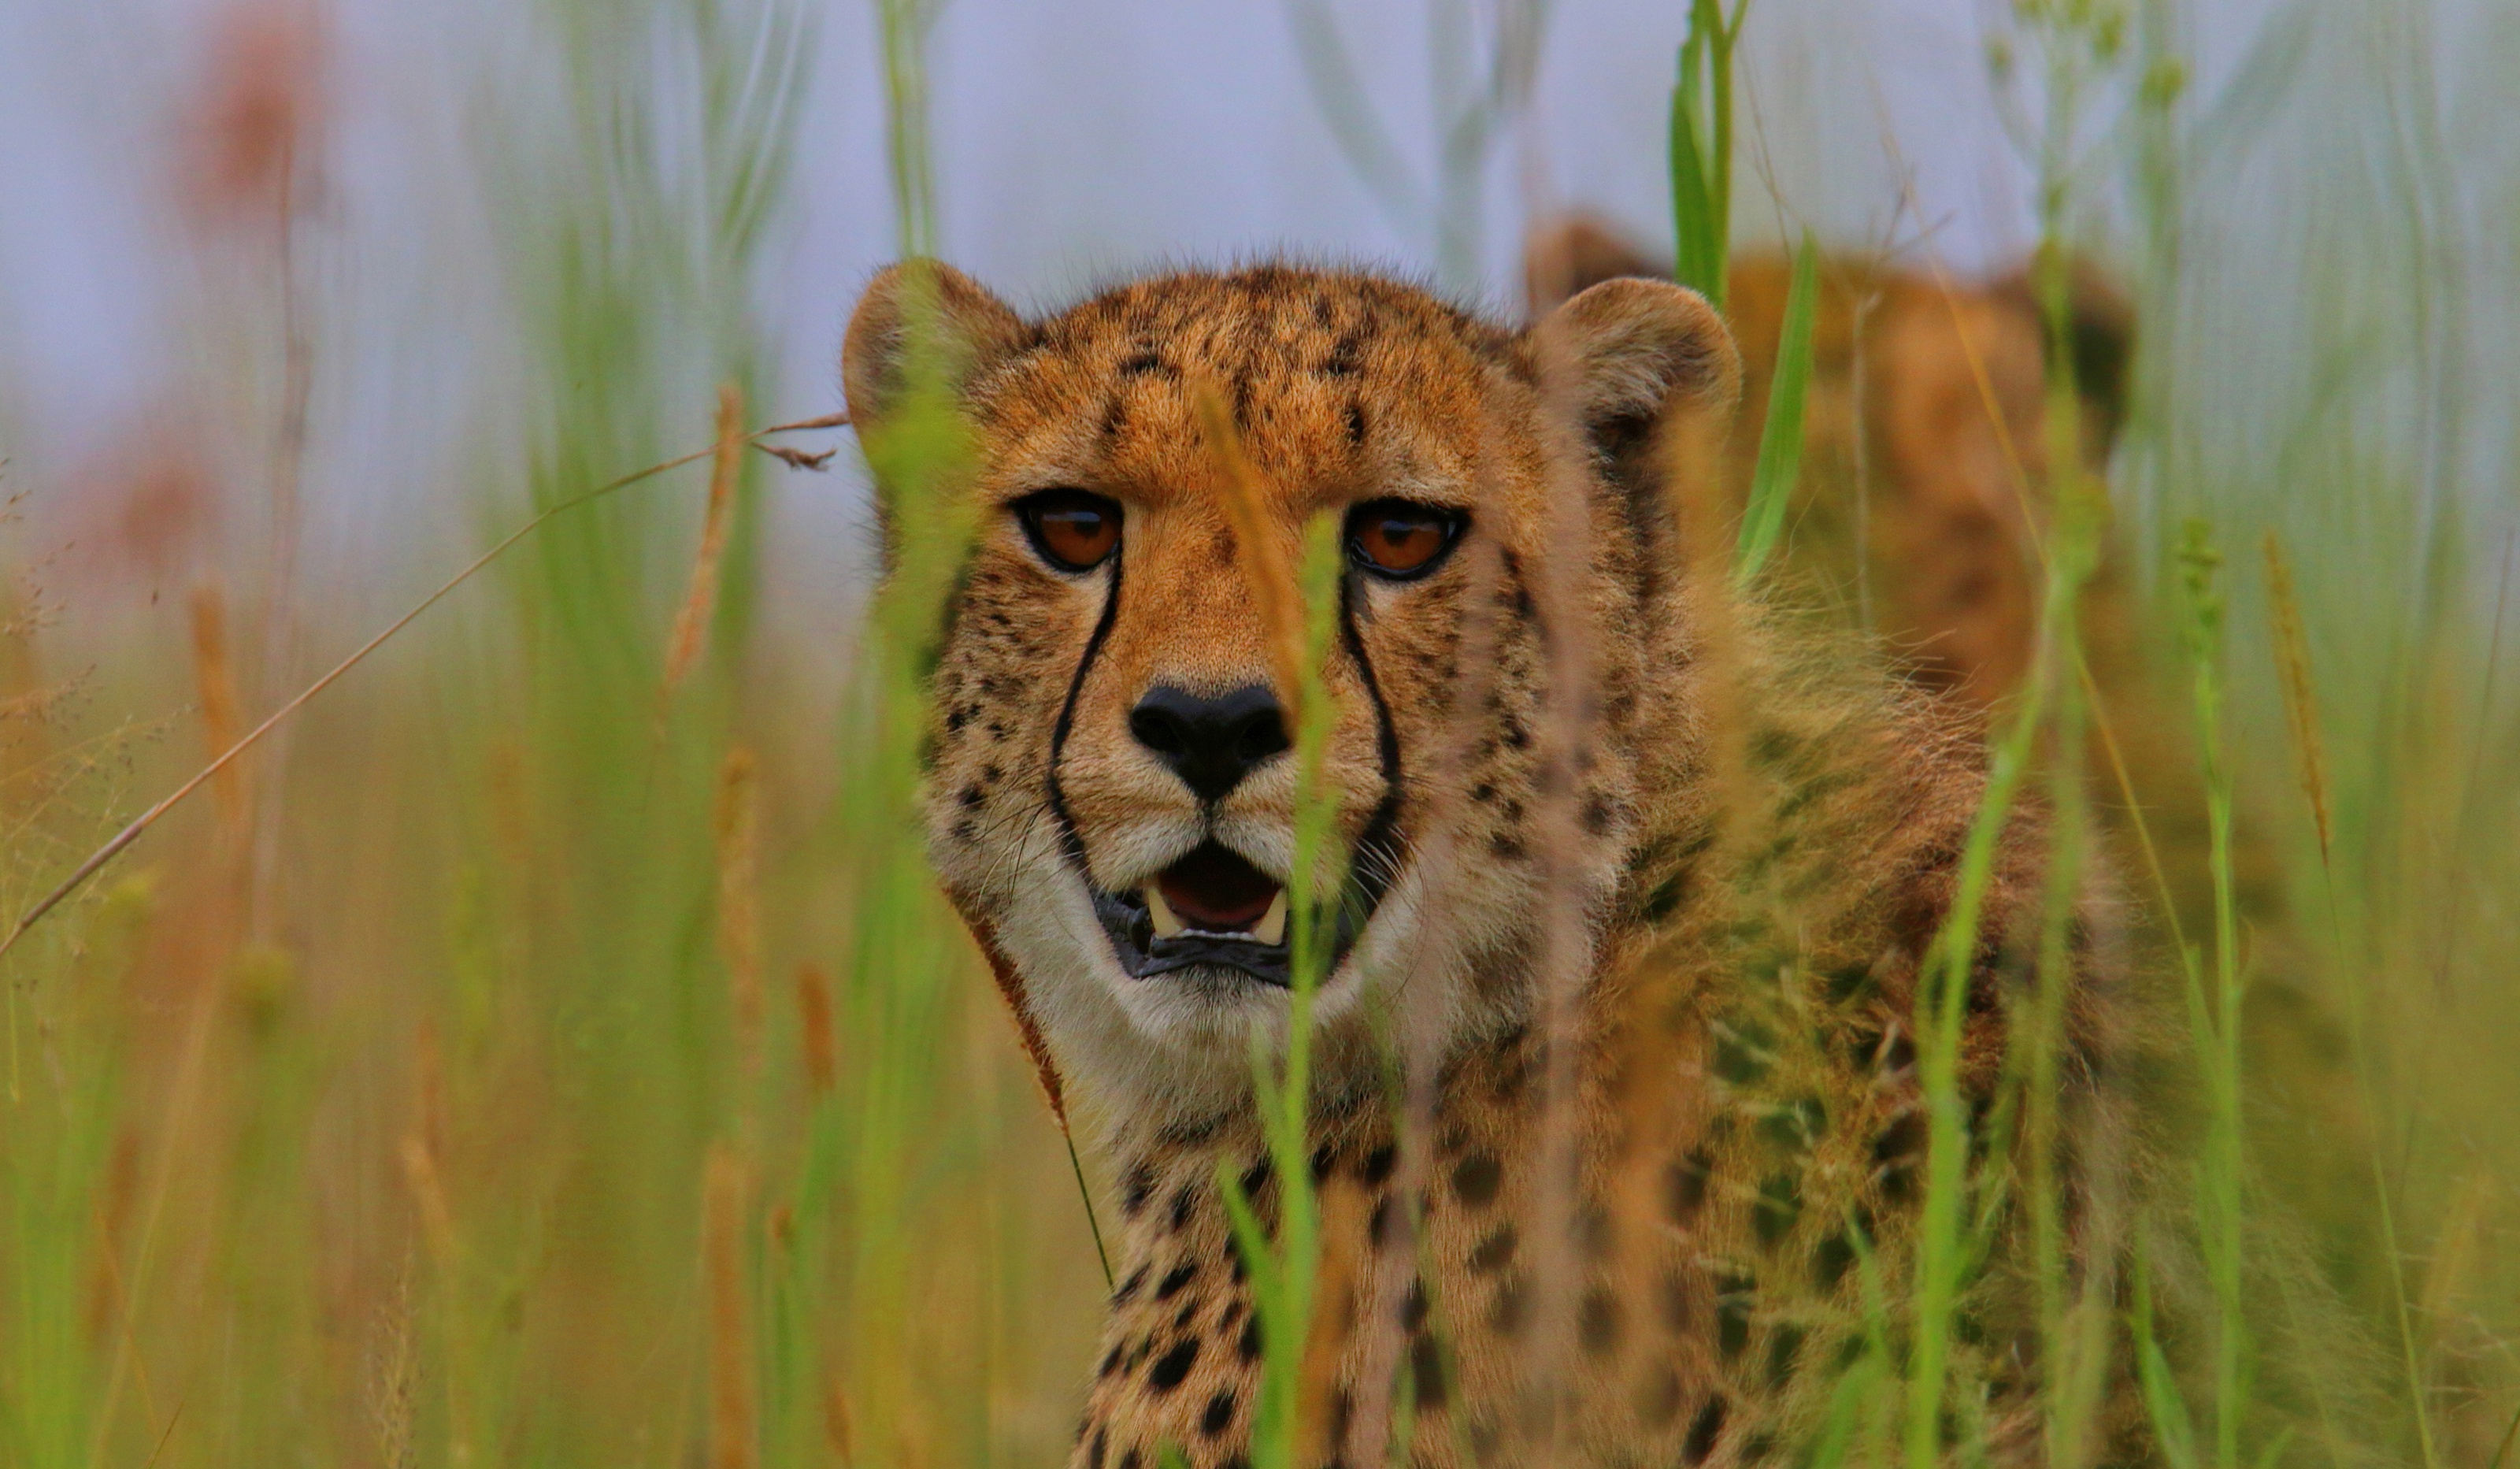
{"x": 548, "y": 1050}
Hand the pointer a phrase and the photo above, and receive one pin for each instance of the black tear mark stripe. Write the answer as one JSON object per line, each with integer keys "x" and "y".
{"x": 1069, "y": 841}
{"x": 1381, "y": 830}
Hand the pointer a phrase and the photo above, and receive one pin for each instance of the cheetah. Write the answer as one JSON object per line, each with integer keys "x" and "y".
{"x": 1617, "y": 1118}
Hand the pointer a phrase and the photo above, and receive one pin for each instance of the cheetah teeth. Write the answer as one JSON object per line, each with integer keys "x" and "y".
{"x": 1167, "y": 926}
{"x": 1271, "y": 930}
{"x": 1271, "y": 927}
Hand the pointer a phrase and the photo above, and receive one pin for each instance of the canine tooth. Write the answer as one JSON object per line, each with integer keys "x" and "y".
{"x": 1271, "y": 927}
{"x": 1166, "y": 925}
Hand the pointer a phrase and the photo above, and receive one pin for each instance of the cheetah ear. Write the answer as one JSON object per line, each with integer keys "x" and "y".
{"x": 1641, "y": 350}
{"x": 920, "y": 305}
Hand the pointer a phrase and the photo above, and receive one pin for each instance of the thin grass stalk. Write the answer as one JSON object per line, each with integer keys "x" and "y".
{"x": 2220, "y": 1216}
{"x": 1941, "y": 1244}
{"x": 733, "y": 1429}
{"x": 1284, "y": 1277}
{"x": 2073, "y": 1327}
{"x": 2067, "y": 1376}
{"x": 1298, "y": 620}
{"x": 692, "y": 621}
{"x": 2174, "y": 1431}
{"x": 922, "y": 458}
{"x": 738, "y": 914}
{"x": 2302, "y": 720}
{"x": 1272, "y": 583}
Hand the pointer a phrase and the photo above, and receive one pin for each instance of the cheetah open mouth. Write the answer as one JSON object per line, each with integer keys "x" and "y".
{"x": 1213, "y": 907}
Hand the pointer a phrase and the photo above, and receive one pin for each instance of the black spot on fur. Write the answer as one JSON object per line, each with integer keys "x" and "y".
{"x": 1247, "y": 1346}
{"x": 1898, "y": 1151}
{"x": 1377, "y": 1226}
{"x": 1129, "y": 1288}
{"x": 1219, "y": 1415}
{"x": 1174, "y": 1366}
{"x": 1356, "y": 423}
{"x": 1180, "y": 1276}
{"x": 1847, "y": 982}
{"x": 1832, "y": 1259}
{"x": 1112, "y": 1360}
{"x": 1477, "y": 1180}
{"x": 1185, "y": 1199}
{"x": 1135, "y": 1186}
{"x": 1508, "y": 1308}
{"x": 1144, "y": 360}
{"x": 1599, "y": 1321}
{"x": 1733, "y": 1307}
{"x": 971, "y": 797}
{"x": 1781, "y": 1204}
{"x": 1797, "y": 1124}
{"x": 1743, "y": 1052}
{"x": 1493, "y": 1252}
{"x": 1684, "y": 1184}
{"x": 1412, "y": 1306}
{"x": 1426, "y": 1373}
{"x": 1703, "y": 1431}
{"x": 1597, "y": 815}
{"x": 1782, "y": 1351}
{"x": 1093, "y": 1456}
{"x": 1325, "y": 1158}
{"x": 1379, "y": 1165}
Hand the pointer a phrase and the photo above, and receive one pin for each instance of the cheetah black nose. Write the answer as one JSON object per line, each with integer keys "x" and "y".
{"x": 1211, "y": 743}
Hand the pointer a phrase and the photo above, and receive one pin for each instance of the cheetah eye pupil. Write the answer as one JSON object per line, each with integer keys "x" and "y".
{"x": 1073, "y": 531}
{"x": 1401, "y": 539}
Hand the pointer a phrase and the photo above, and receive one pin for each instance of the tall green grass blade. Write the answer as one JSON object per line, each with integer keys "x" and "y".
{"x": 1281, "y": 1276}
{"x": 2171, "y": 1426}
{"x": 2218, "y": 1019}
{"x": 1700, "y": 150}
{"x": 1780, "y": 437}
{"x": 1698, "y": 260}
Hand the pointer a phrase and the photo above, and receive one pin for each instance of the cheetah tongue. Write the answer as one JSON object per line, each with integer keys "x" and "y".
{"x": 1214, "y": 891}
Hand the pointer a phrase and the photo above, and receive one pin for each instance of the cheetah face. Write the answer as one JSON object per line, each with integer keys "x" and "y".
{"x": 1112, "y": 793}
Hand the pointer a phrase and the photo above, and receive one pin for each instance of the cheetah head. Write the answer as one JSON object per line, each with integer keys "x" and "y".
{"x": 1110, "y": 794}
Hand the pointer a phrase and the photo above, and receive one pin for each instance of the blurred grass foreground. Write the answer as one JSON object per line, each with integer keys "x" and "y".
{"x": 548, "y": 1047}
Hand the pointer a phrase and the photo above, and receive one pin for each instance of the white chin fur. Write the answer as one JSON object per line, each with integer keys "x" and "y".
{"x": 1179, "y": 1045}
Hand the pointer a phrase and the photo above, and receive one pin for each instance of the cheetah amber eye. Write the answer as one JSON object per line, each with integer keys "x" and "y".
{"x": 1400, "y": 539}
{"x": 1073, "y": 531}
